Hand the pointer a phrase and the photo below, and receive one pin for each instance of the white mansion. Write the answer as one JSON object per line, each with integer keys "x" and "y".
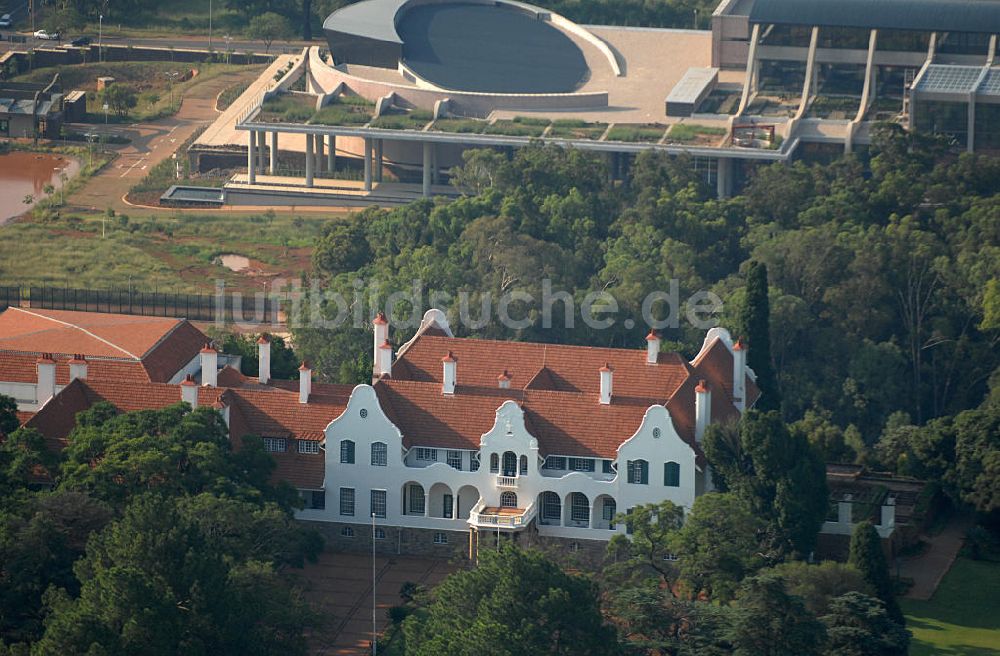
{"x": 464, "y": 436}
{"x": 456, "y": 440}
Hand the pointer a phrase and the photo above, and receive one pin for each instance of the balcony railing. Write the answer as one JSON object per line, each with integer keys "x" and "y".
{"x": 506, "y": 520}
{"x": 507, "y": 481}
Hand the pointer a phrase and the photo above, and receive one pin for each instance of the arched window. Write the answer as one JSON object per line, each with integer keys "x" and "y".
{"x": 672, "y": 474}
{"x": 508, "y": 500}
{"x": 347, "y": 452}
{"x": 638, "y": 472}
{"x": 551, "y": 508}
{"x": 579, "y": 508}
{"x": 494, "y": 463}
{"x": 417, "y": 502}
{"x": 608, "y": 511}
{"x": 380, "y": 454}
{"x": 524, "y": 465}
{"x": 509, "y": 463}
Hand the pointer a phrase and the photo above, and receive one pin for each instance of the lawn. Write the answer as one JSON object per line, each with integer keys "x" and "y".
{"x": 963, "y": 617}
{"x": 158, "y": 95}
{"x": 171, "y": 252}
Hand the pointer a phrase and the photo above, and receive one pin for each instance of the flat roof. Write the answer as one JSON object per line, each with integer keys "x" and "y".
{"x": 691, "y": 87}
{"x": 926, "y": 15}
{"x": 463, "y": 46}
{"x": 373, "y": 19}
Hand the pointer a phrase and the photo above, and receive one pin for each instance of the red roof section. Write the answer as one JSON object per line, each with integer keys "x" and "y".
{"x": 116, "y": 346}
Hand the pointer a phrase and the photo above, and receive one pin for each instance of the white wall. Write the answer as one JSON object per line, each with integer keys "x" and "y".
{"x": 508, "y": 434}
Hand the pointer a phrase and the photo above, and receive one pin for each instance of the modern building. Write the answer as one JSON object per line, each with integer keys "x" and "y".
{"x": 406, "y": 86}
{"x": 29, "y": 110}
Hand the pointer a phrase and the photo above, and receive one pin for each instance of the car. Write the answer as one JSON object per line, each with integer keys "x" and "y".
{"x": 47, "y": 36}
{"x": 80, "y": 41}
{"x": 6, "y": 20}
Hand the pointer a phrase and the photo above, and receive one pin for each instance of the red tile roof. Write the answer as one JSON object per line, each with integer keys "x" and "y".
{"x": 116, "y": 346}
{"x": 558, "y": 390}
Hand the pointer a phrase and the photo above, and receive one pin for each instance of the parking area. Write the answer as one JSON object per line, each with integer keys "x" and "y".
{"x": 340, "y": 588}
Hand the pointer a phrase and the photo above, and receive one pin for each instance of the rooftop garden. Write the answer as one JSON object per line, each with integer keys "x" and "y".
{"x": 288, "y": 108}
{"x": 566, "y": 128}
{"x": 416, "y": 119}
{"x": 519, "y": 126}
{"x": 461, "y": 125}
{"x": 637, "y": 132}
{"x": 691, "y": 133}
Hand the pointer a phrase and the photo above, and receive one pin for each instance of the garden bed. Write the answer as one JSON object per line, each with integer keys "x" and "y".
{"x": 643, "y": 133}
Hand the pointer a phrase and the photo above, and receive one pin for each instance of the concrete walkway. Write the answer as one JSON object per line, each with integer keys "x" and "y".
{"x": 929, "y": 568}
{"x": 154, "y": 142}
{"x": 340, "y": 589}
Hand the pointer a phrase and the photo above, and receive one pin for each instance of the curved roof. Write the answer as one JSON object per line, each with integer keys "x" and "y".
{"x": 371, "y": 19}
{"x": 930, "y": 15}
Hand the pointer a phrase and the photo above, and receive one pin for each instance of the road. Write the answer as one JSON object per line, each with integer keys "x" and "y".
{"x": 152, "y": 143}
{"x": 218, "y": 42}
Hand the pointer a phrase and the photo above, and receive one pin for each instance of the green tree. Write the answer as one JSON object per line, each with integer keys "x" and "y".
{"x": 514, "y": 602}
{"x": 8, "y": 416}
{"x": 158, "y": 582}
{"x": 268, "y": 27}
{"x": 171, "y": 452}
{"x": 755, "y": 325}
{"x": 777, "y": 473}
{"x": 40, "y": 539}
{"x": 858, "y": 625}
{"x": 717, "y": 546}
{"x": 867, "y": 557}
{"x": 771, "y": 622}
{"x": 642, "y": 553}
{"x": 818, "y": 584}
{"x": 120, "y": 98}
{"x": 24, "y": 458}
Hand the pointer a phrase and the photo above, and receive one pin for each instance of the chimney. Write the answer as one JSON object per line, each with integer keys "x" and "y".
{"x": 450, "y": 363}
{"x": 209, "y": 366}
{"x": 739, "y": 374}
{"x": 381, "y": 329}
{"x": 383, "y": 359}
{"x": 77, "y": 367}
{"x": 503, "y": 380}
{"x": 46, "y": 388}
{"x": 652, "y": 347}
{"x": 189, "y": 391}
{"x": 264, "y": 359}
{"x": 305, "y": 382}
{"x": 702, "y": 409}
{"x": 607, "y": 374}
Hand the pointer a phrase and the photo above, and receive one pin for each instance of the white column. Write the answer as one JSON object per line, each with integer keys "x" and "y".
{"x": 331, "y": 153}
{"x": 319, "y": 153}
{"x": 723, "y": 177}
{"x": 261, "y": 145}
{"x": 368, "y": 164}
{"x": 427, "y": 169}
{"x": 251, "y": 157}
{"x": 378, "y": 159}
{"x": 274, "y": 153}
{"x": 702, "y": 409}
{"x": 310, "y": 160}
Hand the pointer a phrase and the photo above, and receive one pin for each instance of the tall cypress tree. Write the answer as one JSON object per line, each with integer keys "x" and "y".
{"x": 754, "y": 322}
{"x": 867, "y": 557}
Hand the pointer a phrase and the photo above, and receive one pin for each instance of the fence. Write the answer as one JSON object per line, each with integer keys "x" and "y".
{"x": 229, "y": 308}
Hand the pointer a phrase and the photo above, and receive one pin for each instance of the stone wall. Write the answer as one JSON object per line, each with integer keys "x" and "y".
{"x": 580, "y": 554}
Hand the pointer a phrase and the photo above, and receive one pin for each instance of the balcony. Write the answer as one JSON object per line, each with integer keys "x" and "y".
{"x": 507, "y": 482}
{"x": 512, "y": 519}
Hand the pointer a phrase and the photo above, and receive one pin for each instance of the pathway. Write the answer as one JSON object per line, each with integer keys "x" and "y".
{"x": 152, "y": 143}
{"x": 928, "y": 568}
{"x": 340, "y": 587}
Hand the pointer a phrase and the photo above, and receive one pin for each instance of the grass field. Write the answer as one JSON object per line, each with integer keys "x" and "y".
{"x": 169, "y": 252}
{"x": 963, "y": 617}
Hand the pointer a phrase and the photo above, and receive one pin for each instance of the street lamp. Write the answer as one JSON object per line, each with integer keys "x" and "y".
{"x": 100, "y": 38}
